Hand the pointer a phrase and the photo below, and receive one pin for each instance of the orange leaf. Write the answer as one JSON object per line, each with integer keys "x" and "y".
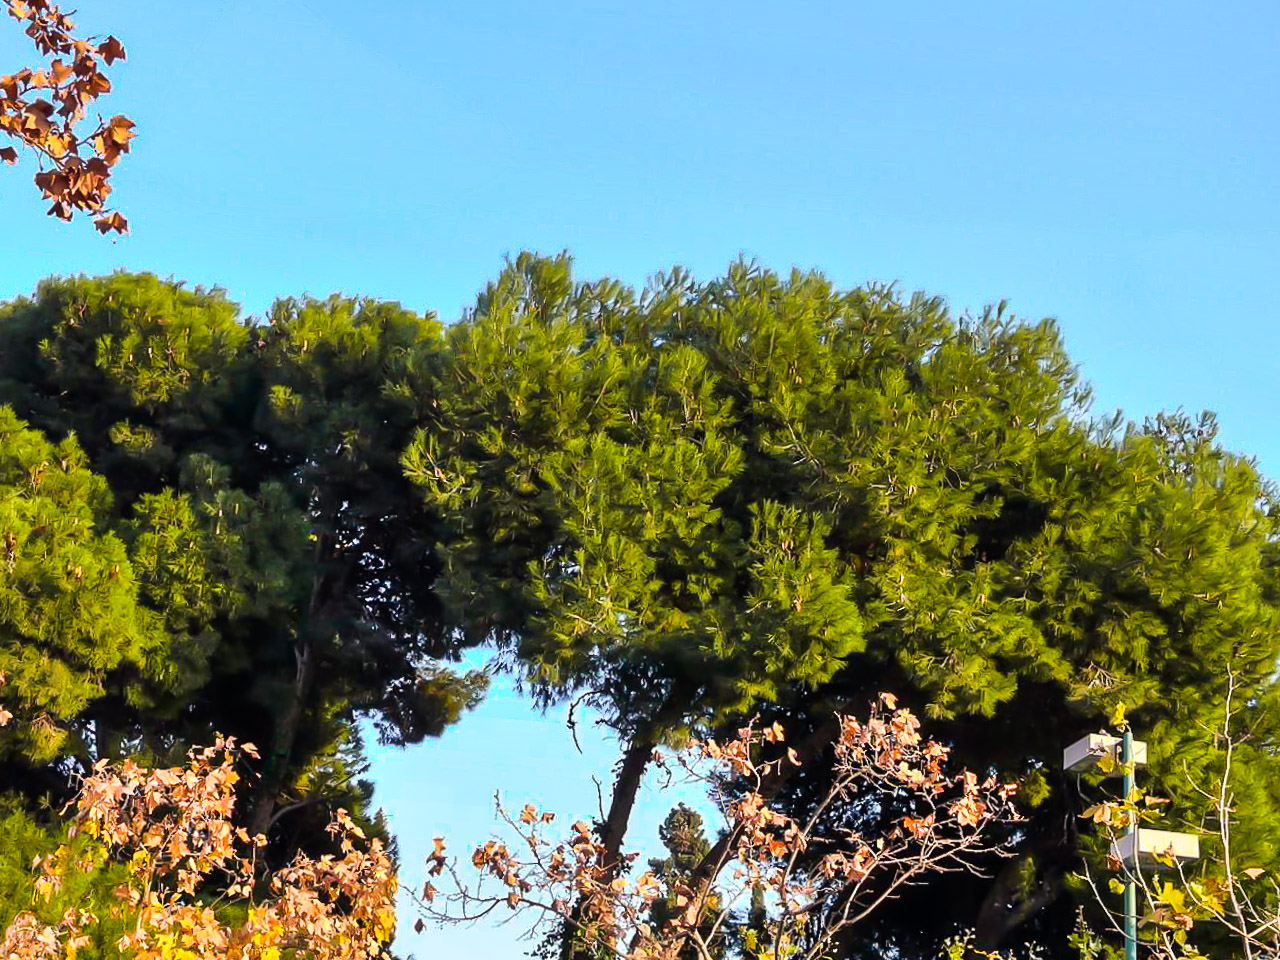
{"x": 120, "y": 129}
{"x": 113, "y": 221}
{"x": 111, "y": 50}
{"x": 56, "y": 146}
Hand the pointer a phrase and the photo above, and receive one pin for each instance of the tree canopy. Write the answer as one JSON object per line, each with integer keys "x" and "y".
{"x": 251, "y": 555}
{"x": 688, "y": 505}
{"x": 764, "y": 494}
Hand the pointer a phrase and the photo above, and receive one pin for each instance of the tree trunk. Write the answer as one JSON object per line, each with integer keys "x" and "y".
{"x": 1010, "y": 903}
{"x": 106, "y": 741}
{"x": 613, "y": 830}
{"x": 635, "y": 761}
{"x": 285, "y": 733}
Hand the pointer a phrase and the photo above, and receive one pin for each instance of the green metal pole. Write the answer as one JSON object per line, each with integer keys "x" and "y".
{"x": 1131, "y": 827}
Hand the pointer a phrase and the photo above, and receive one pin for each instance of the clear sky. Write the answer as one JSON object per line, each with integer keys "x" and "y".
{"x": 1111, "y": 164}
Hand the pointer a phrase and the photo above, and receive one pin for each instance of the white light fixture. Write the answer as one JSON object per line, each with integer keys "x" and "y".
{"x": 1085, "y": 753}
{"x": 1153, "y": 844}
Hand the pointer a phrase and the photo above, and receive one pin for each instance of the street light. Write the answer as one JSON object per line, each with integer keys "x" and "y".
{"x": 1137, "y": 847}
{"x": 1087, "y": 753}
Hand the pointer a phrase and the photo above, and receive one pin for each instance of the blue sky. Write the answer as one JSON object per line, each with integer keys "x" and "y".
{"x": 1113, "y": 165}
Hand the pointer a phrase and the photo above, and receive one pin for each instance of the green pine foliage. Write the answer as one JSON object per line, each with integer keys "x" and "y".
{"x": 254, "y": 561}
{"x": 765, "y": 494}
{"x": 69, "y": 612}
{"x": 690, "y": 504}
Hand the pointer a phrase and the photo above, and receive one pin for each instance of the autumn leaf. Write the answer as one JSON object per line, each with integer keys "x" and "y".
{"x": 47, "y": 126}
{"x": 918, "y": 827}
{"x": 112, "y": 222}
{"x": 1098, "y": 813}
{"x": 111, "y": 50}
{"x": 120, "y": 129}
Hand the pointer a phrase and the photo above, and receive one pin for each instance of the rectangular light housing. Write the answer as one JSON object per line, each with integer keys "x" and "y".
{"x": 1179, "y": 847}
{"x": 1085, "y": 753}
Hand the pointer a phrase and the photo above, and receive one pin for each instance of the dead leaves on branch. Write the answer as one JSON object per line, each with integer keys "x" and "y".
{"x": 820, "y": 876}
{"x": 45, "y": 110}
{"x": 183, "y": 857}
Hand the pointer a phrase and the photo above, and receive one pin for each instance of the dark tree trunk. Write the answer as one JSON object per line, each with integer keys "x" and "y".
{"x": 285, "y": 732}
{"x": 1010, "y": 903}
{"x": 613, "y": 830}
{"x": 635, "y": 761}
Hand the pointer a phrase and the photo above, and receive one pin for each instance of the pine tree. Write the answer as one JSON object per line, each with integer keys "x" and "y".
{"x": 343, "y": 390}
{"x": 761, "y": 494}
{"x": 255, "y": 496}
{"x": 68, "y": 604}
{"x": 592, "y": 470}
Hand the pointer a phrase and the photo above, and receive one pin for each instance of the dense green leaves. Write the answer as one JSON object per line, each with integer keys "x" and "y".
{"x": 69, "y": 612}
{"x": 602, "y": 457}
